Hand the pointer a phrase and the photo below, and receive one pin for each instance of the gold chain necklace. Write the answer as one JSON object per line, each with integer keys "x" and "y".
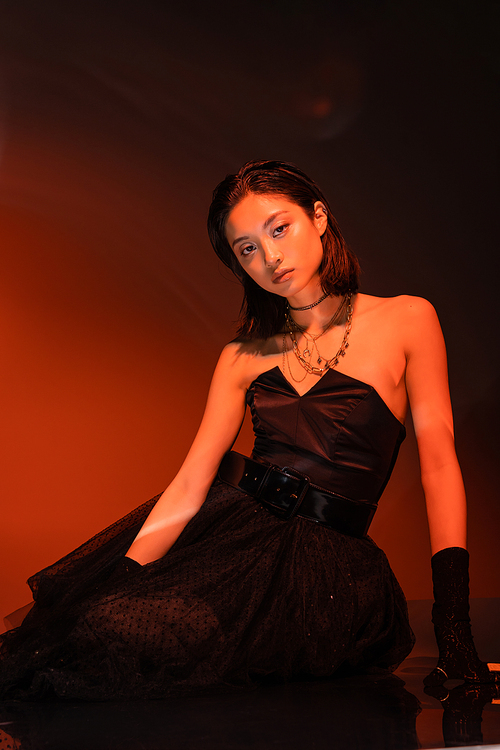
{"x": 337, "y": 315}
{"x": 287, "y": 362}
{"x": 311, "y": 338}
{"x": 330, "y": 363}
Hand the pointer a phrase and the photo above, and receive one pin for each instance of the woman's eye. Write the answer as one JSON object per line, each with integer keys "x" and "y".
{"x": 247, "y": 249}
{"x": 280, "y": 230}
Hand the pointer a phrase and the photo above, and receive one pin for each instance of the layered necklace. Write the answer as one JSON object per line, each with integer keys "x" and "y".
{"x": 310, "y": 353}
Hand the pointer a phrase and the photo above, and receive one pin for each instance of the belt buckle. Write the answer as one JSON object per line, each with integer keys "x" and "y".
{"x": 298, "y": 496}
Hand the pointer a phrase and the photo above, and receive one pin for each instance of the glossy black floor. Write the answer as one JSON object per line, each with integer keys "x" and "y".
{"x": 366, "y": 712}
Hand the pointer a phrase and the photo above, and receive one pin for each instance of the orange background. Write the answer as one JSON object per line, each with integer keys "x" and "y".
{"x": 115, "y": 124}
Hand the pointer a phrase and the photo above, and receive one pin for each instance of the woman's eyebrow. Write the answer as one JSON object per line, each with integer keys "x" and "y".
{"x": 273, "y": 216}
{"x": 268, "y": 221}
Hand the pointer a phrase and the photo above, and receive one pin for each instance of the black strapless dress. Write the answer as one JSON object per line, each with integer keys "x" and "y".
{"x": 242, "y": 595}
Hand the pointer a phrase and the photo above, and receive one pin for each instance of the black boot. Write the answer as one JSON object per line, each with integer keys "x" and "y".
{"x": 458, "y": 657}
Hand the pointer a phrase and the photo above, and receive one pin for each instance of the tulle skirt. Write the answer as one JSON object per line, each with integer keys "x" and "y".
{"x": 241, "y": 597}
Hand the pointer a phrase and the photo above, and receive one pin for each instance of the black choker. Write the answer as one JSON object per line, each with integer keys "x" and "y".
{"x": 309, "y": 307}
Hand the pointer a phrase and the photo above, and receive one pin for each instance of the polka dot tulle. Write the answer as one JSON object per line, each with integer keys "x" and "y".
{"x": 240, "y": 596}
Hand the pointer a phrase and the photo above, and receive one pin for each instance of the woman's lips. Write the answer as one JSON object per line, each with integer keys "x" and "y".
{"x": 282, "y": 276}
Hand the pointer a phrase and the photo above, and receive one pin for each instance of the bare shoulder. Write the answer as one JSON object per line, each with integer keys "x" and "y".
{"x": 414, "y": 306}
{"x": 416, "y": 315}
{"x": 418, "y": 324}
{"x": 241, "y": 350}
{"x": 243, "y": 360}
{"x": 404, "y": 303}
{"x": 402, "y": 310}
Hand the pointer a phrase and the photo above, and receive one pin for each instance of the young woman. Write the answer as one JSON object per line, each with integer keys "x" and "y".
{"x": 262, "y": 567}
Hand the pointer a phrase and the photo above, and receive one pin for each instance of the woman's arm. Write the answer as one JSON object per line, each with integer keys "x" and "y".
{"x": 185, "y": 495}
{"x": 427, "y": 385}
{"x": 428, "y": 392}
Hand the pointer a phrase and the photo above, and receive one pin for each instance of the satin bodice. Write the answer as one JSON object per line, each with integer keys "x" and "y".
{"x": 340, "y": 433}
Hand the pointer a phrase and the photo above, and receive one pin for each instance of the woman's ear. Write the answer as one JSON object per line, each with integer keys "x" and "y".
{"x": 320, "y": 217}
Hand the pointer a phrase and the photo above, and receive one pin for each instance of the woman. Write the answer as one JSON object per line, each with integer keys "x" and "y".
{"x": 267, "y": 569}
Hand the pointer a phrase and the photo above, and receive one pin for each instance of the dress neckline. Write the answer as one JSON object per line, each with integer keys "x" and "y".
{"x": 316, "y": 384}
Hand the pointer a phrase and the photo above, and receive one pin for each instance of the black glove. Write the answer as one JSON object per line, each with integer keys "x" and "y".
{"x": 458, "y": 659}
{"x": 124, "y": 568}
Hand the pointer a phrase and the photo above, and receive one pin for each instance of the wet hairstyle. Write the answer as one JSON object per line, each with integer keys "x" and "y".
{"x": 262, "y": 313}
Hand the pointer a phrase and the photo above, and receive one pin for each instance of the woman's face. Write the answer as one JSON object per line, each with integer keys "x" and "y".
{"x": 277, "y": 244}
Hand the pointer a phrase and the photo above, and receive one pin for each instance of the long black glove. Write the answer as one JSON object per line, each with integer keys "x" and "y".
{"x": 458, "y": 657}
{"x": 125, "y": 568}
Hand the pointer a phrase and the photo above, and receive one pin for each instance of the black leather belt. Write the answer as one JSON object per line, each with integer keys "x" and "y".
{"x": 286, "y": 493}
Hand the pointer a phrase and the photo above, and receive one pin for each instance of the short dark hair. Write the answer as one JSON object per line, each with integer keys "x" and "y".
{"x": 262, "y": 313}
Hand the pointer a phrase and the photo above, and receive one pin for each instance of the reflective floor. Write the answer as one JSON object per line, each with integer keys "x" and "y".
{"x": 361, "y": 712}
{"x": 356, "y": 713}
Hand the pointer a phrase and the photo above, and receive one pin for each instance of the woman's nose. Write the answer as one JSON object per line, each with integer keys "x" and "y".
{"x": 272, "y": 255}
